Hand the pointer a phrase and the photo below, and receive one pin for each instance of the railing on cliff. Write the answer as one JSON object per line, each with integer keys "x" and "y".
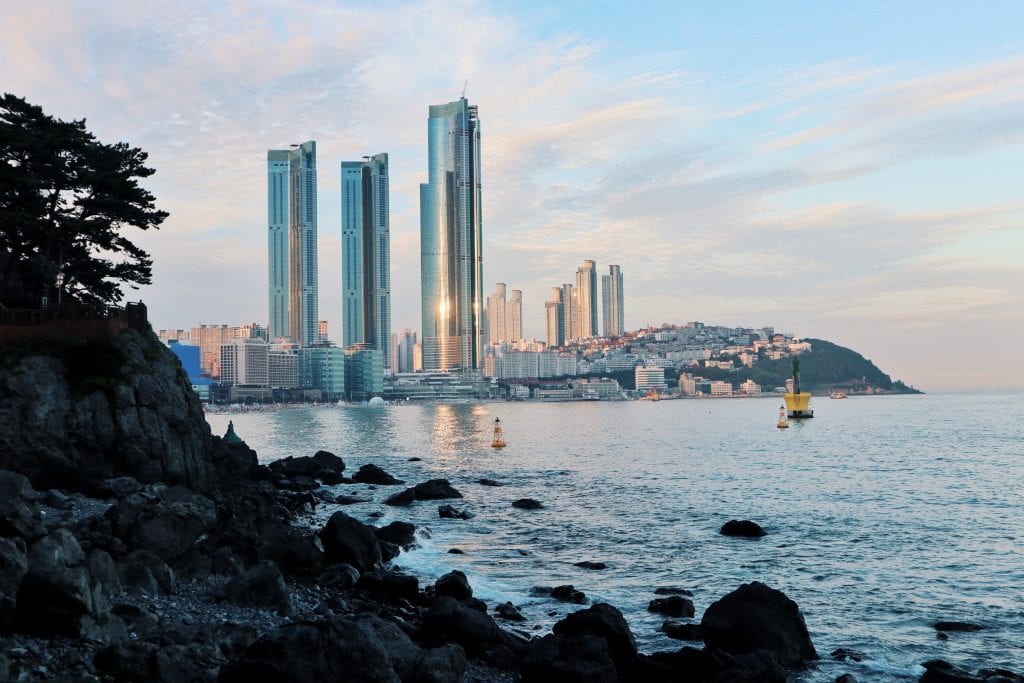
{"x": 74, "y": 321}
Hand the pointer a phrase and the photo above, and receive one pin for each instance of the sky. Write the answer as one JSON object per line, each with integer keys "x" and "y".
{"x": 851, "y": 171}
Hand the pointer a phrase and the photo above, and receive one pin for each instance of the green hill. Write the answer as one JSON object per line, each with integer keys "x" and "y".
{"x": 825, "y": 367}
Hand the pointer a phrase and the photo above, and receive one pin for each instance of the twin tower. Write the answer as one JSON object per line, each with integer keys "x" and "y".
{"x": 451, "y": 257}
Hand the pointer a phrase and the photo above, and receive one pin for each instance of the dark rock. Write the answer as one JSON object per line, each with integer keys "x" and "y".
{"x": 54, "y": 599}
{"x": 743, "y": 528}
{"x": 449, "y": 621}
{"x": 587, "y": 564}
{"x": 672, "y": 590}
{"x": 957, "y": 626}
{"x": 509, "y": 612}
{"x": 568, "y": 593}
{"x": 406, "y": 497}
{"x": 323, "y": 466}
{"x": 372, "y": 474}
{"x": 224, "y": 562}
{"x": 691, "y": 664}
{"x": 451, "y": 512}
{"x": 389, "y": 551}
{"x": 673, "y": 606}
{"x": 143, "y": 571}
{"x": 846, "y": 678}
{"x": 340, "y": 575}
{"x": 13, "y": 567}
{"x": 594, "y": 644}
{"x": 86, "y": 413}
{"x": 440, "y": 664}
{"x": 456, "y": 551}
{"x": 680, "y": 631}
{"x": 755, "y": 617}
{"x": 847, "y": 655}
{"x": 415, "y": 459}
{"x": 435, "y": 489}
{"x": 391, "y": 586}
{"x": 262, "y": 586}
{"x": 1000, "y": 676}
{"x": 348, "y": 540}
{"x": 57, "y": 500}
{"x": 454, "y": 584}
{"x": 488, "y": 482}
{"x": 118, "y": 487}
{"x": 940, "y": 671}
{"x": 19, "y": 507}
{"x": 399, "y": 533}
{"x": 166, "y": 525}
{"x": 527, "y": 504}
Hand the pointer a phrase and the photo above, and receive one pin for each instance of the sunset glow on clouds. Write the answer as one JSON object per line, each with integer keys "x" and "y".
{"x": 853, "y": 174}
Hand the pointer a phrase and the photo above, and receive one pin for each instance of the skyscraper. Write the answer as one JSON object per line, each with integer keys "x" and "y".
{"x": 570, "y": 314}
{"x": 554, "y": 319}
{"x": 366, "y": 255}
{"x": 496, "y": 307}
{"x": 291, "y": 241}
{"x": 586, "y": 294}
{"x": 451, "y": 257}
{"x": 611, "y": 299}
{"x": 514, "y": 316}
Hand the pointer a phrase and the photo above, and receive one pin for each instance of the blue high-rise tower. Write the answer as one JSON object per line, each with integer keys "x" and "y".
{"x": 366, "y": 255}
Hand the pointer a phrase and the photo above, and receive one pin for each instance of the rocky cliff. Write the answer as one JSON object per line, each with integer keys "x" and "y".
{"x": 74, "y": 414}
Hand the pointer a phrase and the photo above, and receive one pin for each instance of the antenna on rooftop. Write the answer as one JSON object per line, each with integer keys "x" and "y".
{"x": 464, "y": 86}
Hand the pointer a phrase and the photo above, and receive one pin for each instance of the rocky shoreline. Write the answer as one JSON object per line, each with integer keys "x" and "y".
{"x": 136, "y": 546}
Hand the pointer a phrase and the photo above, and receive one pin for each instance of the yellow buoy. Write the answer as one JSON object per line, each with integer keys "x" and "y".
{"x": 783, "y": 423}
{"x": 499, "y": 440}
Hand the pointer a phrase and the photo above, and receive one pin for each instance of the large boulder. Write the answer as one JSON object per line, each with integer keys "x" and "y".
{"x": 400, "y": 533}
{"x": 755, "y": 617}
{"x": 449, "y": 621}
{"x": 167, "y": 525}
{"x": 673, "y": 606}
{"x": 373, "y": 474}
{"x": 323, "y": 466}
{"x": 594, "y": 644}
{"x": 83, "y": 413}
{"x": 261, "y": 586}
{"x": 13, "y": 567}
{"x": 346, "y": 539}
{"x": 55, "y": 593}
{"x": 454, "y": 584}
{"x": 435, "y": 489}
{"x": 19, "y": 507}
{"x": 742, "y": 528}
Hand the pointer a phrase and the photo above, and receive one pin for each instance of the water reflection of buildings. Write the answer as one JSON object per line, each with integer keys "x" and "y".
{"x": 459, "y": 428}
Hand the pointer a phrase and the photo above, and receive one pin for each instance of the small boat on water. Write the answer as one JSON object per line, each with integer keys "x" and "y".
{"x": 783, "y": 423}
{"x": 838, "y": 393}
{"x": 499, "y": 437}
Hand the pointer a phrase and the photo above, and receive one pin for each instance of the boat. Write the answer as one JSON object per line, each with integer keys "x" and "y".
{"x": 783, "y": 423}
{"x": 499, "y": 438}
{"x": 798, "y": 403}
{"x": 838, "y": 393}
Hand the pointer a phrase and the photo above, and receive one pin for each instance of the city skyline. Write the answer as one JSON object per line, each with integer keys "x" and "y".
{"x": 870, "y": 153}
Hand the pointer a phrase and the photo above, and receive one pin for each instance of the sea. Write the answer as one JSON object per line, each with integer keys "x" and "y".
{"x": 884, "y": 514}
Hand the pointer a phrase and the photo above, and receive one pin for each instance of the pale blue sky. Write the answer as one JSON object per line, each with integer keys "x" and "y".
{"x": 850, "y": 171}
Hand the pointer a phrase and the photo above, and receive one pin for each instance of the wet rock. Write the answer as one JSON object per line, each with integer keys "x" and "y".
{"x": 672, "y": 590}
{"x": 742, "y": 528}
{"x": 451, "y": 512}
{"x": 19, "y": 507}
{"x": 435, "y": 489}
{"x": 322, "y": 466}
{"x": 489, "y": 482}
{"x": 388, "y": 585}
{"x": 527, "y": 504}
{"x": 509, "y": 612}
{"x": 594, "y": 644}
{"x": 680, "y": 631}
{"x": 846, "y": 678}
{"x": 350, "y": 500}
{"x": 340, "y": 575}
{"x": 957, "y": 626}
{"x": 587, "y": 564}
{"x": 414, "y": 459}
{"x": 372, "y": 474}
{"x": 143, "y": 571}
{"x": 389, "y": 551}
{"x": 261, "y": 586}
{"x": 348, "y": 540}
{"x": 847, "y": 655}
{"x": 450, "y": 622}
{"x": 406, "y": 497}
{"x": 568, "y": 593}
{"x": 456, "y": 551}
{"x": 755, "y": 617}
{"x": 400, "y": 533}
{"x": 454, "y": 584}
{"x": 940, "y": 671}
{"x": 673, "y": 606}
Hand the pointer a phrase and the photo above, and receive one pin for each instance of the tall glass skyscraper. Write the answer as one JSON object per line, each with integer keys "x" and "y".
{"x": 451, "y": 257}
{"x": 611, "y": 295}
{"x": 291, "y": 243}
{"x": 366, "y": 255}
{"x": 586, "y": 294}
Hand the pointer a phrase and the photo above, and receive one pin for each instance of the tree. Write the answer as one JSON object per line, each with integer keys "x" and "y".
{"x": 65, "y": 199}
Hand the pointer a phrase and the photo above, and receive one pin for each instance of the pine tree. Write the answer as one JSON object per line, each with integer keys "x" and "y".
{"x": 65, "y": 199}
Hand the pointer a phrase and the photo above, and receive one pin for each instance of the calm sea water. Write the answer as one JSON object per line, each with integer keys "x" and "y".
{"x": 884, "y": 514}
